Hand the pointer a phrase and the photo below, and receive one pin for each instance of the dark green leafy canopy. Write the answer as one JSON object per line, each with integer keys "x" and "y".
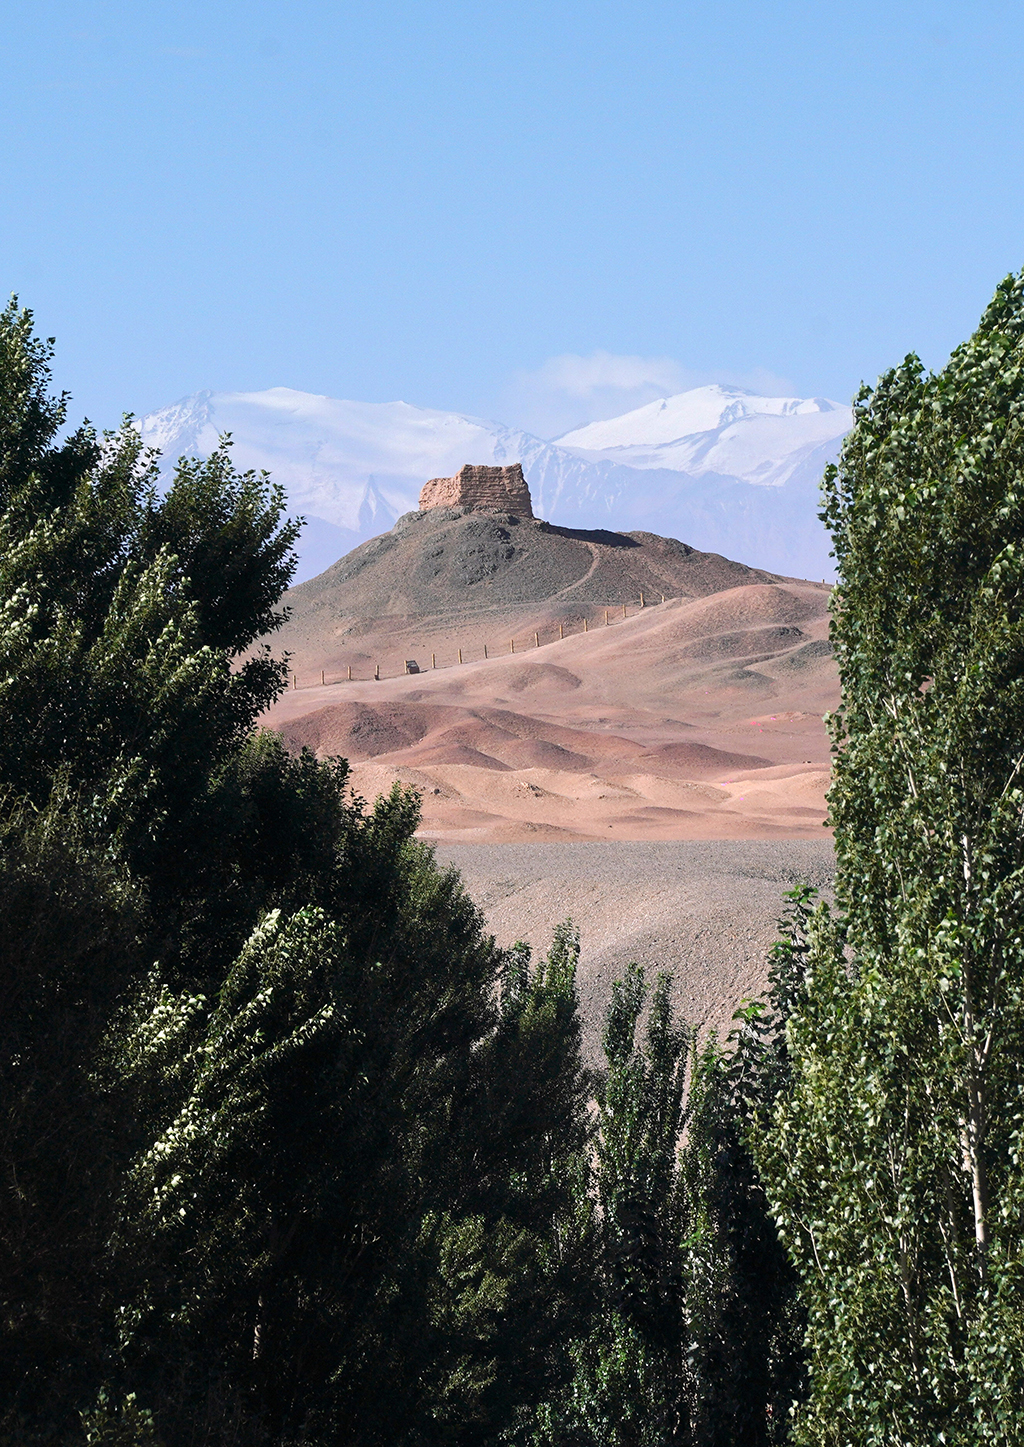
{"x": 35, "y": 476}
{"x": 746, "y": 1322}
{"x": 122, "y": 716}
{"x": 125, "y": 614}
{"x": 281, "y": 1158}
{"x": 625, "y": 1357}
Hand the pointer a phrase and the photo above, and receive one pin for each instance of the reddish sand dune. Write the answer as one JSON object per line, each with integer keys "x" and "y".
{"x": 697, "y": 718}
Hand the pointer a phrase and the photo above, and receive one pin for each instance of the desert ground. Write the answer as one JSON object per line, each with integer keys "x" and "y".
{"x": 655, "y": 770}
{"x": 704, "y": 910}
{"x": 691, "y": 719}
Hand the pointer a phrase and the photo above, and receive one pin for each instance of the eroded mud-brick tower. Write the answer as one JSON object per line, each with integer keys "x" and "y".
{"x": 496, "y": 489}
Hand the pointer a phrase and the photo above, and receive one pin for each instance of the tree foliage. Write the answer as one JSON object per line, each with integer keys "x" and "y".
{"x": 119, "y": 718}
{"x": 894, "y": 1160}
{"x": 625, "y": 1362}
{"x": 261, "y": 1153}
{"x": 693, "y": 1334}
{"x": 746, "y": 1323}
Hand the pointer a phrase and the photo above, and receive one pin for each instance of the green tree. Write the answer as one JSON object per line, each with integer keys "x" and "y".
{"x": 283, "y": 1155}
{"x": 627, "y": 1359}
{"x": 358, "y": 1172}
{"x": 687, "y": 1328}
{"x": 894, "y": 1160}
{"x": 745, "y": 1323}
{"x": 117, "y": 715}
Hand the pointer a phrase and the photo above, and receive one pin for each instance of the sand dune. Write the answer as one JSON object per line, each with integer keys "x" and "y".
{"x": 659, "y": 777}
{"x": 697, "y": 718}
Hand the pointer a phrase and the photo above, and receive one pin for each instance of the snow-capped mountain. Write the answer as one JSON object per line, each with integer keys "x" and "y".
{"x": 719, "y": 468}
{"x": 720, "y": 431}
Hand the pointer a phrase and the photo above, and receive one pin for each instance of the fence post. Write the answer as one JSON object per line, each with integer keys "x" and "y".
{"x": 663, "y": 597}
{"x": 376, "y": 670}
{"x": 485, "y": 650}
{"x": 586, "y": 625}
{"x": 460, "y": 655}
{"x": 321, "y": 676}
{"x": 295, "y": 681}
{"x": 511, "y": 645}
{"x": 433, "y": 660}
{"x": 350, "y": 673}
{"x": 623, "y": 610}
{"x": 536, "y": 640}
{"x": 641, "y": 600}
{"x": 606, "y": 617}
{"x": 561, "y": 633}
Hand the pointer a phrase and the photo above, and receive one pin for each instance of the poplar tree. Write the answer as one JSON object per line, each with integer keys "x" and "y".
{"x": 745, "y": 1322}
{"x": 626, "y": 1357}
{"x": 894, "y": 1159}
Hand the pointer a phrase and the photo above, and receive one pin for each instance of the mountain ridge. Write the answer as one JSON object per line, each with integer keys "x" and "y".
{"x": 745, "y": 487}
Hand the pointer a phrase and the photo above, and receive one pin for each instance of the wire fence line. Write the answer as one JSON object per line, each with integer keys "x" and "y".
{"x": 606, "y": 617}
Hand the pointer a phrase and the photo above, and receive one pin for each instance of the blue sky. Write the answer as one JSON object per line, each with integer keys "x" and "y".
{"x": 536, "y": 211}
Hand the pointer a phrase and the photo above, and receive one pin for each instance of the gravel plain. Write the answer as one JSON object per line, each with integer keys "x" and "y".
{"x": 705, "y": 910}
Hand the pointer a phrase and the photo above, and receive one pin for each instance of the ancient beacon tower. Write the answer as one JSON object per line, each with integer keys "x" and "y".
{"x": 495, "y": 489}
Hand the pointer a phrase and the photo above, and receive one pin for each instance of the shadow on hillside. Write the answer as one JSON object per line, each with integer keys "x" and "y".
{"x": 593, "y": 535}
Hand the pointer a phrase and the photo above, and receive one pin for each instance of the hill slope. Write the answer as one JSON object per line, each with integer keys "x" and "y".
{"x": 490, "y": 570}
{"x": 693, "y": 719}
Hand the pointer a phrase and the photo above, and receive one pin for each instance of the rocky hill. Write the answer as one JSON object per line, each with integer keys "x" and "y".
{"x": 572, "y": 684}
{"x": 603, "y": 772}
{"x": 457, "y": 573}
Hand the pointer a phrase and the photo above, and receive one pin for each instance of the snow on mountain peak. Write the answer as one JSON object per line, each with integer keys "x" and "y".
{"x": 718, "y": 430}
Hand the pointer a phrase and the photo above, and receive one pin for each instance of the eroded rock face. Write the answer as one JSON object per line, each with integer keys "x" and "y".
{"x": 500, "y": 489}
